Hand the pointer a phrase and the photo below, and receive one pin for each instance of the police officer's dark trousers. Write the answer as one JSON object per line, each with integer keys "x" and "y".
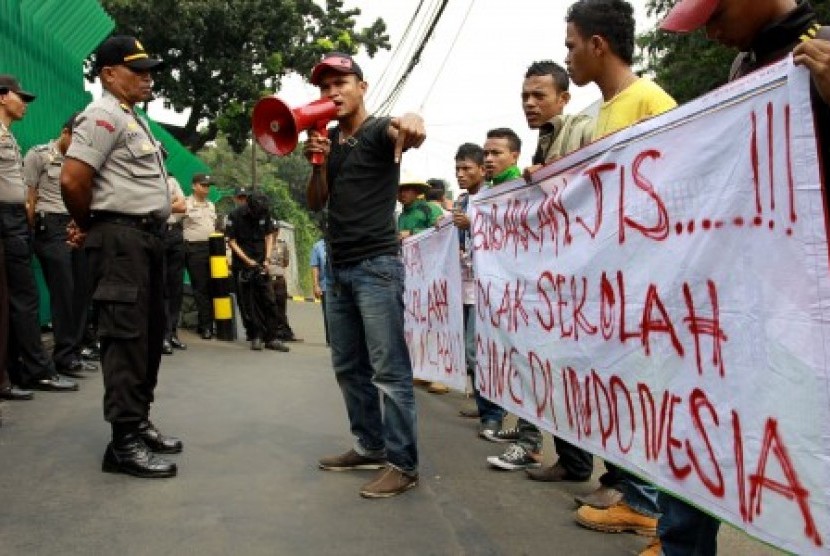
{"x": 281, "y": 299}
{"x": 174, "y": 275}
{"x": 197, "y": 261}
{"x": 126, "y": 267}
{"x": 24, "y": 326}
{"x": 244, "y": 310}
{"x": 63, "y": 269}
{"x": 4, "y": 322}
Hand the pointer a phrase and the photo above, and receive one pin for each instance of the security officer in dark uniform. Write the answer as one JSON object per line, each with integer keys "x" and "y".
{"x": 113, "y": 183}
{"x": 174, "y": 266}
{"x": 248, "y": 229}
{"x": 37, "y": 370}
{"x": 63, "y": 267}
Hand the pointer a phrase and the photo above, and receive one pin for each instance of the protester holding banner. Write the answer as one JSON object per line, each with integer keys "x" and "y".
{"x": 469, "y": 171}
{"x": 600, "y": 43}
{"x": 417, "y": 214}
{"x": 544, "y": 97}
{"x": 364, "y": 296}
{"x": 764, "y": 31}
{"x": 501, "y": 154}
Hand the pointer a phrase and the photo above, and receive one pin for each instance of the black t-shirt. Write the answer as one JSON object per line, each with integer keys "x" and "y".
{"x": 363, "y": 187}
{"x": 249, "y": 233}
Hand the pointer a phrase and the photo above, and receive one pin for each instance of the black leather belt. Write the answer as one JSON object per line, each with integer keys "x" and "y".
{"x": 13, "y": 208}
{"x": 58, "y": 216}
{"x": 147, "y": 224}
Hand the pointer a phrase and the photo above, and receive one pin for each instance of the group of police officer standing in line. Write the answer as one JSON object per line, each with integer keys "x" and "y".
{"x": 112, "y": 229}
{"x": 109, "y": 224}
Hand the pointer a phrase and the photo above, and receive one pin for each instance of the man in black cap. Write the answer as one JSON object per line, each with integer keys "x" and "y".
{"x": 248, "y": 229}
{"x": 113, "y": 183}
{"x": 199, "y": 223}
{"x": 364, "y": 297}
{"x": 29, "y": 364}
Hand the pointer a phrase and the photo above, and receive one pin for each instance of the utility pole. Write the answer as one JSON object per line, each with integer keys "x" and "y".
{"x": 253, "y": 163}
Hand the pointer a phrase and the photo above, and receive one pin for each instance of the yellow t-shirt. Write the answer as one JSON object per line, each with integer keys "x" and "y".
{"x": 642, "y": 99}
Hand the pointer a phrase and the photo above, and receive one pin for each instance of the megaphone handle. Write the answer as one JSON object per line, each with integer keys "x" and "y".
{"x": 317, "y": 159}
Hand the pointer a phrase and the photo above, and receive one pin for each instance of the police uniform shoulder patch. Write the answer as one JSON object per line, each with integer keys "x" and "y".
{"x": 105, "y": 124}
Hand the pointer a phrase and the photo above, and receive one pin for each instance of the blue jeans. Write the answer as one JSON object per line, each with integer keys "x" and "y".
{"x": 487, "y": 410}
{"x": 684, "y": 530}
{"x": 640, "y": 495}
{"x": 365, "y": 311}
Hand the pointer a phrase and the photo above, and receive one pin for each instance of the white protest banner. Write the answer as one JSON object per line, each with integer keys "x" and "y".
{"x": 662, "y": 299}
{"x": 433, "y": 317}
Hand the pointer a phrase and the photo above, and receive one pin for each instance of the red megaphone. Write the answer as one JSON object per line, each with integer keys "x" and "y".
{"x": 277, "y": 127}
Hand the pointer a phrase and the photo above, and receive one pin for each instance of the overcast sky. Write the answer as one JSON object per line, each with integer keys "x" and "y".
{"x": 479, "y": 86}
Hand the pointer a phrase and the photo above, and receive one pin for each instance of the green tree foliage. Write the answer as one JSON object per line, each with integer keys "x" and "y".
{"x": 688, "y": 66}
{"x": 223, "y": 55}
{"x": 232, "y": 170}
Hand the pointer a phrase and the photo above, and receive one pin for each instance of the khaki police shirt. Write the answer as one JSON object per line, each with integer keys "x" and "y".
{"x": 12, "y": 189}
{"x": 130, "y": 175}
{"x": 175, "y": 190}
{"x": 199, "y": 220}
{"x": 42, "y": 171}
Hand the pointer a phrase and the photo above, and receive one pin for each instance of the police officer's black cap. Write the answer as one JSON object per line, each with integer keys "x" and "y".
{"x": 241, "y": 192}
{"x": 10, "y": 83}
{"x": 203, "y": 178}
{"x": 123, "y": 50}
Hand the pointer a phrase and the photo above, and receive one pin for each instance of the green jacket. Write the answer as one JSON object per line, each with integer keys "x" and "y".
{"x": 417, "y": 217}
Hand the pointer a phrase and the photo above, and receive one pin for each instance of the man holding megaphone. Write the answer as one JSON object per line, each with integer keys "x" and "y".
{"x": 358, "y": 182}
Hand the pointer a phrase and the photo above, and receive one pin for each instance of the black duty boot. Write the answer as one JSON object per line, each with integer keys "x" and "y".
{"x": 131, "y": 456}
{"x": 158, "y": 442}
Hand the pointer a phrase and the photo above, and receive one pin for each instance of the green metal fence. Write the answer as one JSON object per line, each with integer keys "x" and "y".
{"x": 44, "y": 44}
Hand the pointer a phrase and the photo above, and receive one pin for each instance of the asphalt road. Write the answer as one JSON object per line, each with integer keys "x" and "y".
{"x": 254, "y": 425}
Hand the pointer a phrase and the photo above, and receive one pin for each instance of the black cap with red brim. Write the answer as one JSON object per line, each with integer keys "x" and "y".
{"x": 338, "y": 62}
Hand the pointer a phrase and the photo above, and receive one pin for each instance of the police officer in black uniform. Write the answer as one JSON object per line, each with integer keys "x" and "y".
{"x": 113, "y": 183}
{"x": 63, "y": 267}
{"x": 30, "y": 365}
{"x": 248, "y": 229}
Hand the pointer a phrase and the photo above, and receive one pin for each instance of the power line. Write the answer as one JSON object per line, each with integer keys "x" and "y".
{"x": 403, "y": 54}
{"x": 447, "y": 55}
{"x": 386, "y": 106}
{"x": 386, "y": 71}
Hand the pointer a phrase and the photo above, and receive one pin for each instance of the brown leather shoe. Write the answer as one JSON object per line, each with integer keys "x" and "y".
{"x": 438, "y": 388}
{"x": 554, "y": 474}
{"x": 349, "y": 461}
{"x": 389, "y": 482}
{"x": 602, "y": 498}
{"x": 617, "y": 519}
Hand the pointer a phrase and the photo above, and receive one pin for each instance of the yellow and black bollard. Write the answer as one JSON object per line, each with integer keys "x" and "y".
{"x": 220, "y": 279}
